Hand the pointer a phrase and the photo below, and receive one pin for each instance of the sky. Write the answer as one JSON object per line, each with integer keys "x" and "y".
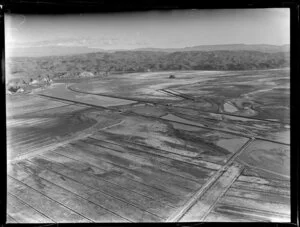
{"x": 160, "y": 29}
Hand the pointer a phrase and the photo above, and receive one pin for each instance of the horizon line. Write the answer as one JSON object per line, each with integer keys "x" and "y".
{"x": 146, "y": 47}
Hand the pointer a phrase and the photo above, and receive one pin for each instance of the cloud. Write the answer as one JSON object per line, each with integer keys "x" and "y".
{"x": 100, "y": 42}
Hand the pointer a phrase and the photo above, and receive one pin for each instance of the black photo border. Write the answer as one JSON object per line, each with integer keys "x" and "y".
{"x": 108, "y": 6}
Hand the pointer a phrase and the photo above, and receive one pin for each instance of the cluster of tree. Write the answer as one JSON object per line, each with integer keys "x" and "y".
{"x": 141, "y": 61}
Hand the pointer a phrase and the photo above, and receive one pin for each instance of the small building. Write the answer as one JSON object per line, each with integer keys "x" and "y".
{"x": 33, "y": 82}
{"x": 20, "y": 90}
{"x": 86, "y": 74}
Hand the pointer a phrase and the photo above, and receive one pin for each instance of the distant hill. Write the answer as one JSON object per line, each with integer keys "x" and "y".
{"x": 230, "y": 47}
{"x": 40, "y": 51}
{"x": 142, "y": 61}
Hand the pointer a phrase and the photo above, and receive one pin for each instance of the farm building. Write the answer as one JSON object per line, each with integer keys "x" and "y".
{"x": 86, "y": 74}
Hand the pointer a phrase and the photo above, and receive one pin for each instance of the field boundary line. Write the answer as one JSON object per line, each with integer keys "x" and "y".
{"x": 166, "y": 151}
{"x": 232, "y": 115}
{"x": 256, "y": 210}
{"x": 130, "y": 113}
{"x": 34, "y": 174}
{"x": 177, "y": 216}
{"x": 272, "y": 141}
{"x": 198, "y": 126}
{"x": 269, "y": 171}
{"x": 155, "y": 154}
{"x": 246, "y": 220}
{"x": 45, "y": 149}
{"x": 70, "y": 104}
{"x": 221, "y": 130}
{"x": 52, "y": 147}
{"x": 97, "y": 167}
{"x": 26, "y": 204}
{"x": 150, "y": 154}
{"x": 8, "y": 216}
{"x": 112, "y": 182}
{"x": 146, "y": 101}
{"x": 66, "y": 104}
{"x": 75, "y": 102}
{"x": 93, "y": 187}
{"x": 179, "y": 93}
{"x": 261, "y": 190}
{"x": 240, "y": 170}
{"x": 163, "y": 170}
{"x": 259, "y": 200}
{"x": 268, "y": 184}
{"x": 172, "y": 92}
{"x": 259, "y": 184}
{"x": 119, "y": 97}
{"x": 44, "y": 194}
{"x": 127, "y": 168}
{"x": 45, "y": 97}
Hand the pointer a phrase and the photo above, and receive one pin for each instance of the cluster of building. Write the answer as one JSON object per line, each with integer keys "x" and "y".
{"x": 21, "y": 85}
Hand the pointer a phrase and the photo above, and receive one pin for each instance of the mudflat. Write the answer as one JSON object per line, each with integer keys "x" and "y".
{"x": 141, "y": 147}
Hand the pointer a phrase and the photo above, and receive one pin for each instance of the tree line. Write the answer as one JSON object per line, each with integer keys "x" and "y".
{"x": 142, "y": 61}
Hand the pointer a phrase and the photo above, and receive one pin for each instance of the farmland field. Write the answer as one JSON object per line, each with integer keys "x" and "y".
{"x": 144, "y": 147}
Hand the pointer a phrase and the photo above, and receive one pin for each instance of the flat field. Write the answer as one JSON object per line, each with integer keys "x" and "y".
{"x": 143, "y": 147}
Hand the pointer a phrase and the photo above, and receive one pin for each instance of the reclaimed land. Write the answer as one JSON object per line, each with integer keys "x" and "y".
{"x": 144, "y": 147}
